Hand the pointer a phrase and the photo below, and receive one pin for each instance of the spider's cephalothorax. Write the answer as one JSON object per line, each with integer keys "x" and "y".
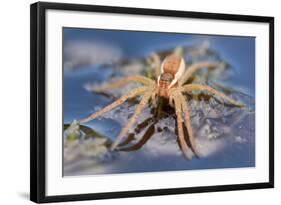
{"x": 170, "y": 84}
{"x": 172, "y": 69}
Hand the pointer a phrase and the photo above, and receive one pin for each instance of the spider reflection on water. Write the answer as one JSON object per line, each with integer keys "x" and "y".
{"x": 170, "y": 85}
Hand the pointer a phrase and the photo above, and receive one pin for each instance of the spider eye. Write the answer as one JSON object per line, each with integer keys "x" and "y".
{"x": 166, "y": 78}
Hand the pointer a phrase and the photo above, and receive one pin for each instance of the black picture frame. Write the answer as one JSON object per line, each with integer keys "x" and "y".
{"x": 38, "y": 101}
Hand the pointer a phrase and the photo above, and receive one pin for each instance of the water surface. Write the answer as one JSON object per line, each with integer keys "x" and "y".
{"x": 225, "y": 135}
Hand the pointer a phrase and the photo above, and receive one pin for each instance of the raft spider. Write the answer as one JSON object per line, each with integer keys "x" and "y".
{"x": 170, "y": 85}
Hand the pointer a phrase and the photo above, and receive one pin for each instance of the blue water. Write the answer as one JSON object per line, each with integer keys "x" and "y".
{"x": 236, "y": 50}
{"x": 236, "y": 148}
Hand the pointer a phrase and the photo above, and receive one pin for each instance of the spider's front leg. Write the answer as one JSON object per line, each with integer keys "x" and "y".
{"x": 178, "y": 110}
{"x": 188, "y": 125}
{"x": 132, "y": 120}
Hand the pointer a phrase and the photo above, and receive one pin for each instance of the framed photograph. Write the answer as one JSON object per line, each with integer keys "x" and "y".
{"x": 129, "y": 102}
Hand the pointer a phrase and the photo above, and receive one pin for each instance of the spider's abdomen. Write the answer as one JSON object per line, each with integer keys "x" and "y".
{"x": 172, "y": 69}
{"x": 171, "y": 64}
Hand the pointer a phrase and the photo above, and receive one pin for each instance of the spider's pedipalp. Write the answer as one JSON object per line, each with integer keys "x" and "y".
{"x": 182, "y": 141}
{"x": 121, "y": 82}
{"x": 195, "y": 67}
{"x": 153, "y": 98}
{"x": 132, "y": 120}
{"x": 198, "y": 87}
{"x": 121, "y": 100}
{"x": 188, "y": 125}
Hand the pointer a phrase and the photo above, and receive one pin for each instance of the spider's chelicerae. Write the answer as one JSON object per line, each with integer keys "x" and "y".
{"x": 170, "y": 84}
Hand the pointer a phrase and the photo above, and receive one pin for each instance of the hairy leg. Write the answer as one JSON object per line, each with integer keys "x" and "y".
{"x": 195, "y": 67}
{"x": 188, "y": 125}
{"x": 132, "y": 120}
{"x": 155, "y": 64}
{"x": 178, "y": 51}
{"x": 182, "y": 141}
{"x": 198, "y": 87}
{"x": 121, "y": 100}
{"x": 121, "y": 82}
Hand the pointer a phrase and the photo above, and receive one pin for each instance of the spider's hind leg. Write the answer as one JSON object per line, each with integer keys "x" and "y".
{"x": 155, "y": 63}
{"x": 195, "y": 67}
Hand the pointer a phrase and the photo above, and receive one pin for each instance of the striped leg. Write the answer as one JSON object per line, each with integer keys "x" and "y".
{"x": 121, "y": 82}
{"x": 182, "y": 141}
{"x": 121, "y": 100}
{"x": 198, "y": 87}
{"x": 155, "y": 62}
{"x": 132, "y": 120}
{"x": 195, "y": 67}
{"x": 188, "y": 125}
